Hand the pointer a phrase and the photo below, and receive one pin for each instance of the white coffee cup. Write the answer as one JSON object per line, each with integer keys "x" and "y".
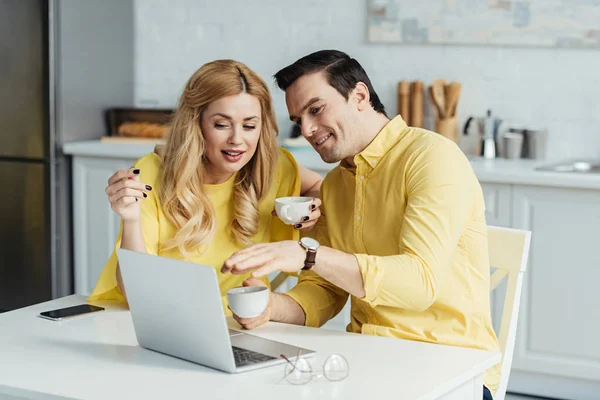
{"x": 249, "y": 301}
{"x": 291, "y": 210}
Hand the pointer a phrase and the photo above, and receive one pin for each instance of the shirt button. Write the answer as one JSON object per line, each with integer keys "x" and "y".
{"x": 373, "y": 162}
{"x": 362, "y": 177}
{"x": 358, "y": 217}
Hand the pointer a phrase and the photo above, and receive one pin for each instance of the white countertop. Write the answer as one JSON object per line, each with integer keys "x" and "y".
{"x": 97, "y": 356}
{"x": 97, "y": 148}
{"x": 523, "y": 172}
{"x": 488, "y": 171}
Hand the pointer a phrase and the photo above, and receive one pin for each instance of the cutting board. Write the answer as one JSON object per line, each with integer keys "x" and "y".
{"x": 123, "y": 139}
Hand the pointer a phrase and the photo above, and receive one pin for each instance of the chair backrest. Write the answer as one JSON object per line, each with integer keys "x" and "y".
{"x": 509, "y": 251}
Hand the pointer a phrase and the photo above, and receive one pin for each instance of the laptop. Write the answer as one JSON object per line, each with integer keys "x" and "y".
{"x": 176, "y": 310}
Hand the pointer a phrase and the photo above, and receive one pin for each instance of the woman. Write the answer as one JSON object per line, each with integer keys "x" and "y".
{"x": 211, "y": 190}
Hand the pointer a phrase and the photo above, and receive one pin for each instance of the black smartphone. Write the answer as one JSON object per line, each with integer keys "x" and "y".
{"x": 69, "y": 312}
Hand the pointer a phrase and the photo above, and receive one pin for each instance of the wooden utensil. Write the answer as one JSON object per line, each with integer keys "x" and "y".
{"x": 404, "y": 100}
{"x": 438, "y": 96}
{"x": 452, "y": 95}
{"x": 416, "y": 104}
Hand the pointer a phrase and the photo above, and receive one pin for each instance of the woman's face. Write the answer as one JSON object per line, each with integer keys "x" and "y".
{"x": 231, "y": 127}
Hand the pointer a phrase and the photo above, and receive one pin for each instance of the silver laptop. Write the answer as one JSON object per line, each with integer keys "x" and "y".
{"x": 177, "y": 310}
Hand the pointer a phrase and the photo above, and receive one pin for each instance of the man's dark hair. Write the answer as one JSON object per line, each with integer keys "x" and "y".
{"x": 341, "y": 71}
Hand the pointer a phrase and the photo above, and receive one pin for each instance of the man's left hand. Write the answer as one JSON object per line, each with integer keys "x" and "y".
{"x": 286, "y": 256}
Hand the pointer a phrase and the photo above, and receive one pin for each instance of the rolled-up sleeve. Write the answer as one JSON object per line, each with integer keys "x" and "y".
{"x": 320, "y": 299}
{"x": 440, "y": 202}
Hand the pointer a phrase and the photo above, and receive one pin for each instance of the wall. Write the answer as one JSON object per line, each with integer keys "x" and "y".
{"x": 92, "y": 50}
{"x": 94, "y": 62}
{"x": 556, "y": 88}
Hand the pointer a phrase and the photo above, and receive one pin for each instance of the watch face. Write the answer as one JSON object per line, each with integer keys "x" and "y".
{"x": 310, "y": 243}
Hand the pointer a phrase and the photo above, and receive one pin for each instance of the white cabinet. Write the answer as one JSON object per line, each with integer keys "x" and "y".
{"x": 95, "y": 225}
{"x": 557, "y": 353}
{"x": 559, "y": 317}
{"x": 497, "y": 197}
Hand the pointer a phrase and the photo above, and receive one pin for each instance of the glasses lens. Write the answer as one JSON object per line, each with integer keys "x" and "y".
{"x": 299, "y": 374}
{"x": 336, "y": 368}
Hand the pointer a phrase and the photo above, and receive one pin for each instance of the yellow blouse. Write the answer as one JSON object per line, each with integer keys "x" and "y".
{"x": 157, "y": 228}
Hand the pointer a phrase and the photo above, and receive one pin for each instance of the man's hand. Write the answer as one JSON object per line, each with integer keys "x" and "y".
{"x": 251, "y": 323}
{"x": 287, "y": 256}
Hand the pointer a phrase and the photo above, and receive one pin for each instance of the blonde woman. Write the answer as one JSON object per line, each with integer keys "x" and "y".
{"x": 211, "y": 189}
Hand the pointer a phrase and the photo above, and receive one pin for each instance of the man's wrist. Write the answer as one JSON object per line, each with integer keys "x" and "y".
{"x": 321, "y": 260}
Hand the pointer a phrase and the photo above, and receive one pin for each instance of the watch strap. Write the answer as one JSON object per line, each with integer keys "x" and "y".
{"x": 309, "y": 262}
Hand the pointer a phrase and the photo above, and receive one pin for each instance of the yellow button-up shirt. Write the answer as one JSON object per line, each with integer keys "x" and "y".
{"x": 412, "y": 212}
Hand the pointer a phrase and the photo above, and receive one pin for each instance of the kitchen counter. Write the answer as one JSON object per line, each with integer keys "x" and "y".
{"x": 490, "y": 171}
{"x": 97, "y": 148}
{"x": 523, "y": 172}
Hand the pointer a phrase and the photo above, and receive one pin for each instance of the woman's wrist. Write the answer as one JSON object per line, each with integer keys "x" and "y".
{"x": 132, "y": 224}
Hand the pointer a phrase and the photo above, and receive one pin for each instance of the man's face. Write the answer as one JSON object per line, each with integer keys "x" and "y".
{"x": 327, "y": 120}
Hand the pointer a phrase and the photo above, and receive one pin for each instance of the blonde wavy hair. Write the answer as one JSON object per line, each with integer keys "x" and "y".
{"x": 182, "y": 194}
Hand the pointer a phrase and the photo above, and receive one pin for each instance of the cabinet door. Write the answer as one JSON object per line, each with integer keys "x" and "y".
{"x": 559, "y": 317}
{"x": 95, "y": 224}
{"x": 497, "y": 197}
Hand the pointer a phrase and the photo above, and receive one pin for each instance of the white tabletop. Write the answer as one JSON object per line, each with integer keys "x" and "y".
{"x": 97, "y": 356}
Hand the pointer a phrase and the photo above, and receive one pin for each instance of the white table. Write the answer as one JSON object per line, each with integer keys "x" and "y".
{"x": 97, "y": 357}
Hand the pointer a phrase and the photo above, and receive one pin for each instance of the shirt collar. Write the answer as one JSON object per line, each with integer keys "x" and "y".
{"x": 391, "y": 134}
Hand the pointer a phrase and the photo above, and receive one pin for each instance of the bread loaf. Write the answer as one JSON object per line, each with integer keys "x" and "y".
{"x": 142, "y": 129}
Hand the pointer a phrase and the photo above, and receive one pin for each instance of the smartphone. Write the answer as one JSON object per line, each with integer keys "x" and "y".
{"x": 69, "y": 312}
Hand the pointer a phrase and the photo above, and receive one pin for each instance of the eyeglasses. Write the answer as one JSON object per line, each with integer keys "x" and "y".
{"x": 299, "y": 372}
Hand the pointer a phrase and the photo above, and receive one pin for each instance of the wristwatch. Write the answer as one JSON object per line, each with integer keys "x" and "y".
{"x": 311, "y": 246}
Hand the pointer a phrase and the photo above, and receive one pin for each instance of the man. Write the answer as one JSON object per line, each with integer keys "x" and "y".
{"x": 402, "y": 229}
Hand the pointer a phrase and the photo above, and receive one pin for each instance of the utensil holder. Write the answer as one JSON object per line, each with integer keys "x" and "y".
{"x": 447, "y": 127}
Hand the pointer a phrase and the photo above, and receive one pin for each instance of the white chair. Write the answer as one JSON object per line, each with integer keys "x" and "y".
{"x": 509, "y": 251}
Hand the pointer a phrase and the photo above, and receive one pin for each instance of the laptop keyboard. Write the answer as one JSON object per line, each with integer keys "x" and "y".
{"x": 245, "y": 357}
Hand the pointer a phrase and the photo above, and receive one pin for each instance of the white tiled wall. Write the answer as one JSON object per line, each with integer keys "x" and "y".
{"x": 557, "y": 88}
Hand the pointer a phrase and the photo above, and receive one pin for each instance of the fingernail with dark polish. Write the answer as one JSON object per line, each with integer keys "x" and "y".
{"x": 145, "y": 195}
{"x": 305, "y": 219}
{"x": 136, "y": 171}
{"x": 312, "y": 206}
{"x": 298, "y": 226}
{"x": 148, "y": 187}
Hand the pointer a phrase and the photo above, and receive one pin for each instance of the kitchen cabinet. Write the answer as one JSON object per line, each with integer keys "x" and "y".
{"x": 497, "y": 197}
{"x": 95, "y": 225}
{"x": 557, "y": 352}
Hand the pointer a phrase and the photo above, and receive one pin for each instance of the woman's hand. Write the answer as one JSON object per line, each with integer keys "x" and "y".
{"x": 308, "y": 221}
{"x": 125, "y": 193}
